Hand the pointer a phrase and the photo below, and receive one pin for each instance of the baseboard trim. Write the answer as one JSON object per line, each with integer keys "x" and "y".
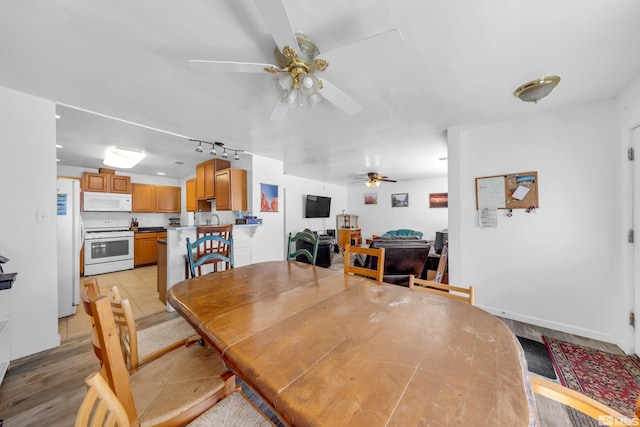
{"x": 562, "y": 327}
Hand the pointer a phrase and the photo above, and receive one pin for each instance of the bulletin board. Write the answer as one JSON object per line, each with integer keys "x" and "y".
{"x": 515, "y": 191}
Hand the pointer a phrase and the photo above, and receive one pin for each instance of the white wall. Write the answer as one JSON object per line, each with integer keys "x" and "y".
{"x": 560, "y": 266}
{"x": 379, "y": 218}
{"x": 28, "y": 176}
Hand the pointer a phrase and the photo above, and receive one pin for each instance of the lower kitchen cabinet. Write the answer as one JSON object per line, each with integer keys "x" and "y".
{"x": 144, "y": 249}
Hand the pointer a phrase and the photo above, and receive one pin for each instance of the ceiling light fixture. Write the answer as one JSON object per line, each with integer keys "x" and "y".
{"x": 215, "y": 145}
{"x": 536, "y": 89}
{"x": 124, "y": 158}
{"x": 372, "y": 183}
{"x": 297, "y": 85}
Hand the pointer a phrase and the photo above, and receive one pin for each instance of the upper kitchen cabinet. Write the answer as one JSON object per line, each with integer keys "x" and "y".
{"x": 167, "y": 199}
{"x": 193, "y": 204}
{"x": 143, "y": 197}
{"x": 155, "y": 198}
{"x": 231, "y": 189}
{"x": 205, "y": 177}
{"x": 106, "y": 183}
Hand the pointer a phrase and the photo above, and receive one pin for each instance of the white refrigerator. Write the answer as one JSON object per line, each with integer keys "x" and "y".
{"x": 70, "y": 240}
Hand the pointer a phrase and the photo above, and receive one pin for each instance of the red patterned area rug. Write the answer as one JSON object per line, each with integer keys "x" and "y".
{"x": 608, "y": 378}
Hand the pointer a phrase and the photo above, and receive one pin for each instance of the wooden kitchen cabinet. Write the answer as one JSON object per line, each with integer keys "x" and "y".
{"x": 143, "y": 197}
{"x": 144, "y": 249}
{"x": 106, "y": 183}
{"x": 231, "y": 190}
{"x": 96, "y": 182}
{"x": 155, "y": 198}
{"x": 167, "y": 199}
{"x": 205, "y": 177}
{"x": 193, "y": 204}
{"x": 120, "y": 184}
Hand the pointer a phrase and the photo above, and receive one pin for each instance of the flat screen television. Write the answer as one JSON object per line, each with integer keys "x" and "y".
{"x": 317, "y": 206}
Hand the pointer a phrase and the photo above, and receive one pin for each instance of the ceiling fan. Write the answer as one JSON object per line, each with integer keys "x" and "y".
{"x": 298, "y": 59}
{"x": 374, "y": 180}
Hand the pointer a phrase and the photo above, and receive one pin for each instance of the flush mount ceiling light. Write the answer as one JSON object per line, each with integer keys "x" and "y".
{"x": 215, "y": 145}
{"x": 124, "y": 158}
{"x": 536, "y": 89}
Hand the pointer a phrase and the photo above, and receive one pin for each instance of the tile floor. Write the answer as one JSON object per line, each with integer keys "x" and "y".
{"x": 139, "y": 285}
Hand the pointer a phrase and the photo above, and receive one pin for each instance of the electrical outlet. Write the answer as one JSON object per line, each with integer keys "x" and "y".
{"x": 42, "y": 216}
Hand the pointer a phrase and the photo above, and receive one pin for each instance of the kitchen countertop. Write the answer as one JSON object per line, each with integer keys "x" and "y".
{"x": 151, "y": 229}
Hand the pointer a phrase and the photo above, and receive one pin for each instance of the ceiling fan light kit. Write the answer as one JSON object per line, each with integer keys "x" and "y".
{"x": 297, "y": 61}
{"x": 537, "y": 89}
{"x": 373, "y": 179}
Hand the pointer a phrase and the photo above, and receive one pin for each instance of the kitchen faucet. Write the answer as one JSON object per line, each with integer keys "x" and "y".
{"x": 217, "y": 219}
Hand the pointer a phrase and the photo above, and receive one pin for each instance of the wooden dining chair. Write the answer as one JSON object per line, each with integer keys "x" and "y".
{"x": 209, "y": 257}
{"x": 582, "y": 403}
{"x": 142, "y": 346}
{"x": 101, "y": 407}
{"x": 180, "y": 388}
{"x": 376, "y": 273}
{"x": 171, "y": 390}
{"x": 467, "y": 295}
{"x": 306, "y": 236}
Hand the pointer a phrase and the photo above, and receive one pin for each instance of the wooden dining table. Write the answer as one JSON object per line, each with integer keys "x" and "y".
{"x": 323, "y": 348}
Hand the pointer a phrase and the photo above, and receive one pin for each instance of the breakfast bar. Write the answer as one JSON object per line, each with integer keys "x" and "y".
{"x": 324, "y": 348}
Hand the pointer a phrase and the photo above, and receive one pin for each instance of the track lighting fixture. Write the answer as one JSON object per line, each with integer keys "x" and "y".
{"x": 214, "y": 146}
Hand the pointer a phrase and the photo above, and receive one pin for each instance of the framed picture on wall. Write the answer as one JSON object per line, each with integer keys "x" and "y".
{"x": 438, "y": 200}
{"x": 400, "y": 200}
{"x": 370, "y": 198}
{"x": 268, "y": 198}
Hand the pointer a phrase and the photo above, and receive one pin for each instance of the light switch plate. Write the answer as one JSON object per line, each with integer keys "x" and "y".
{"x": 42, "y": 216}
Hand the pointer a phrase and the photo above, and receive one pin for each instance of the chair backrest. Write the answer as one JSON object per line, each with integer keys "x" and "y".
{"x": 225, "y": 231}
{"x": 125, "y": 321}
{"x": 582, "y": 403}
{"x": 305, "y": 236}
{"x": 376, "y": 273}
{"x": 467, "y": 295}
{"x": 100, "y": 406}
{"x": 113, "y": 364}
{"x": 225, "y": 255}
{"x": 442, "y": 264}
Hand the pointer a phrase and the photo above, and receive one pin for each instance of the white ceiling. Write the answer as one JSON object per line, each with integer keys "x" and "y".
{"x": 459, "y": 64}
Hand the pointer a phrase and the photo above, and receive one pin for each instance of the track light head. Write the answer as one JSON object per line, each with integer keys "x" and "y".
{"x": 236, "y": 157}
{"x": 199, "y": 147}
{"x": 224, "y": 154}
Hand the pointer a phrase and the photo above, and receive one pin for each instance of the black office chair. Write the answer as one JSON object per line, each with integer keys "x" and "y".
{"x": 308, "y": 237}
{"x": 225, "y": 255}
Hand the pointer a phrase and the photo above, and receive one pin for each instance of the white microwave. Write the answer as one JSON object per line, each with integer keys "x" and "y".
{"x": 106, "y": 202}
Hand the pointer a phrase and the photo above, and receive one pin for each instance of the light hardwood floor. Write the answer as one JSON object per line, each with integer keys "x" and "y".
{"x": 47, "y": 388}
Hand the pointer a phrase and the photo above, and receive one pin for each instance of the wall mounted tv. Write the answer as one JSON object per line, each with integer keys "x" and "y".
{"x": 317, "y": 206}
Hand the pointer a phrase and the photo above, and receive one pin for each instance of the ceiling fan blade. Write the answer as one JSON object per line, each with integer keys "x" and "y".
{"x": 339, "y": 98}
{"x": 387, "y": 180}
{"x": 369, "y": 47}
{"x": 227, "y": 66}
{"x": 275, "y": 16}
{"x": 279, "y": 111}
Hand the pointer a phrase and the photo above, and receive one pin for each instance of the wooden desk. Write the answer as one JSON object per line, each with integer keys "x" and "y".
{"x": 324, "y": 348}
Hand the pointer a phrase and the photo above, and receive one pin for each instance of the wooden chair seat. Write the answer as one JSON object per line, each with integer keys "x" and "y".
{"x": 141, "y": 347}
{"x": 101, "y": 407}
{"x": 176, "y": 383}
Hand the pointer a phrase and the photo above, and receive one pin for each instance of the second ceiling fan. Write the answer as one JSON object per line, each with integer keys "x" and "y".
{"x": 298, "y": 58}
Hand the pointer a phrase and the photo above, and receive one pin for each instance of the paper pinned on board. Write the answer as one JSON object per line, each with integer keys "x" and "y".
{"x": 520, "y": 192}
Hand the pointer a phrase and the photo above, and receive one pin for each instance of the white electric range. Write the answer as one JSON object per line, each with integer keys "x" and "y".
{"x": 108, "y": 246}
